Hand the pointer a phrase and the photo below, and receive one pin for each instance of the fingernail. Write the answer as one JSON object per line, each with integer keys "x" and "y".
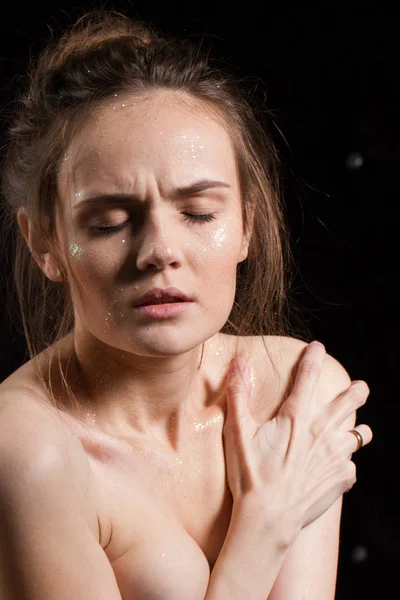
{"x": 316, "y": 343}
{"x": 237, "y": 364}
{"x": 234, "y": 367}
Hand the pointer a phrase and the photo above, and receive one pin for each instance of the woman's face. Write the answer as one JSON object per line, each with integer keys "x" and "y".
{"x": 138, "y": 154}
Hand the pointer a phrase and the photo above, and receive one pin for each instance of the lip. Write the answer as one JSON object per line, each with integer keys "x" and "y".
{"x": 164, "y": 311}
{"x": 169, "y": 294}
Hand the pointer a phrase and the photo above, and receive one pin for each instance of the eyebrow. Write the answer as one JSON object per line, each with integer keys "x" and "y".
{"x": 181, "y": 192}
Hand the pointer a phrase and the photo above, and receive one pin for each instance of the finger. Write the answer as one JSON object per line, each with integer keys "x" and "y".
{"x": 349, "y": 401}
{"x": 237, "y": 390}
{"x": 354, "y": 443}
{"x": 307, "y": 377}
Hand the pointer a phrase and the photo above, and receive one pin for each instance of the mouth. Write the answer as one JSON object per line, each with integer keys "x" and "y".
{"x": 164, "y": 308}
{"x": 170, "y": 295}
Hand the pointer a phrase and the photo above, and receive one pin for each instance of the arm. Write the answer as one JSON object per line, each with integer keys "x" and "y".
{"x": 48, "y": 543}
{"x": 251, "y": 557}
{"x": 309, "y": 570}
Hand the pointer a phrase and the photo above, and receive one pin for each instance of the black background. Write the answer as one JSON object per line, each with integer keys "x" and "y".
{"x": 331, "y": 75}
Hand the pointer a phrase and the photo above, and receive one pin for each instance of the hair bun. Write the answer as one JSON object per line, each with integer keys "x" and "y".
{"x": 93, "y": 31}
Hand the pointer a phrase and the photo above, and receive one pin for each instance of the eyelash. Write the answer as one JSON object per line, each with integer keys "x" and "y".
{"x": 188, "y": 217}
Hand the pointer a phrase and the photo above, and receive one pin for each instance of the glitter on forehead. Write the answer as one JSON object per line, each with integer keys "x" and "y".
{"x": 193, "y": 150}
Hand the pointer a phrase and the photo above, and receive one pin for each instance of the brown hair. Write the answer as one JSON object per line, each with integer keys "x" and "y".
{"x": 101, "y": 55}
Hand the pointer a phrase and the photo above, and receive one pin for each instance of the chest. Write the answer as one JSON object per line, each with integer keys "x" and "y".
{"x": 168, "y": 518}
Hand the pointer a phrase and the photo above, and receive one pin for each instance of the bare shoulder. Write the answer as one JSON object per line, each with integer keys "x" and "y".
{"x": 274, "y": 361}
{"x": 34, "y": 442}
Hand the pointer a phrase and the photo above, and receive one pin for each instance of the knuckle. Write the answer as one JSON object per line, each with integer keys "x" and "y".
{"x": 236, "y": 387}
{"x": 346, "y": 488}
{"x": 235, "y": 391}
{"x": 309, "y": 368}
{"x": 332, "y": 445}
{"x": 351, "y": 472}
{"x": 347, "y": 485}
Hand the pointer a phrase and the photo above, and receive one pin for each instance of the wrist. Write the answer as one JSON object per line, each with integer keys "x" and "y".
{"x": 275, "y": 523}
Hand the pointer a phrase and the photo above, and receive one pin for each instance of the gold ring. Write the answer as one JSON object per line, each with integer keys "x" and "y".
{"x": 359, "y": 438}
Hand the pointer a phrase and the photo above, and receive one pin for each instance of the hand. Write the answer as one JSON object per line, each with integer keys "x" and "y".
{"x": 298, "y": 463}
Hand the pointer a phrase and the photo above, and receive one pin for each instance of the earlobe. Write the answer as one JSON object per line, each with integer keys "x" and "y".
{"x": 245, "y": 250}
{"x": 49, "y": 267}
{"x": 246, "y": 240}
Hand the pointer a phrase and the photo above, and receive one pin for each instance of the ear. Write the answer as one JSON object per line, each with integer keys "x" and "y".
{"x": 45, "y": 260}
{"x": 245, "y": 249}
{"x": 247, "y": 235}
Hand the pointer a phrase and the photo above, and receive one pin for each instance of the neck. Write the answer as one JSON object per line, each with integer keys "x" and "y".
{"x": 164, "y": 399}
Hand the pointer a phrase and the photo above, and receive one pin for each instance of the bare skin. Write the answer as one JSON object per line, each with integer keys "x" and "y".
{"x": 165, "y": 504}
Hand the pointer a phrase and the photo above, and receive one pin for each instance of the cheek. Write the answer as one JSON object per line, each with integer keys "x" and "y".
{"x": 219, "y": 246}
{"x": 90, "y": 269}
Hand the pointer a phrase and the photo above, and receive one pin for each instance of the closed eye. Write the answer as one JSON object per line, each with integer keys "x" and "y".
{"x": 192, "y": 218}
{"x": 199, "y": 218}
{"x": 111, "y": 229}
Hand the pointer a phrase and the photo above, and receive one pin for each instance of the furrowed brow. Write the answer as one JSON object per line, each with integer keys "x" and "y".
{"x": 181, "y": 192}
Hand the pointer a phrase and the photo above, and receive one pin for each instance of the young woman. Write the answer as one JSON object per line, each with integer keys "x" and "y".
{"x": 152, "y": 251}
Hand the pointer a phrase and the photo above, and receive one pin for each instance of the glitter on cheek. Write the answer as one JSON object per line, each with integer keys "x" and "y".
{"x": 75, "y": 250}
{"x": 224, "y": 235}
{"x": 218, "y": 236}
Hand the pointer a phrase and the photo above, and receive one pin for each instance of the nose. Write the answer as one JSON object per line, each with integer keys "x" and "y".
{"x": 159, "y": 243}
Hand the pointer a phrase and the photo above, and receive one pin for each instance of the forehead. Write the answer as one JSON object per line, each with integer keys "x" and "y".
{"x": 173, "y": 138}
